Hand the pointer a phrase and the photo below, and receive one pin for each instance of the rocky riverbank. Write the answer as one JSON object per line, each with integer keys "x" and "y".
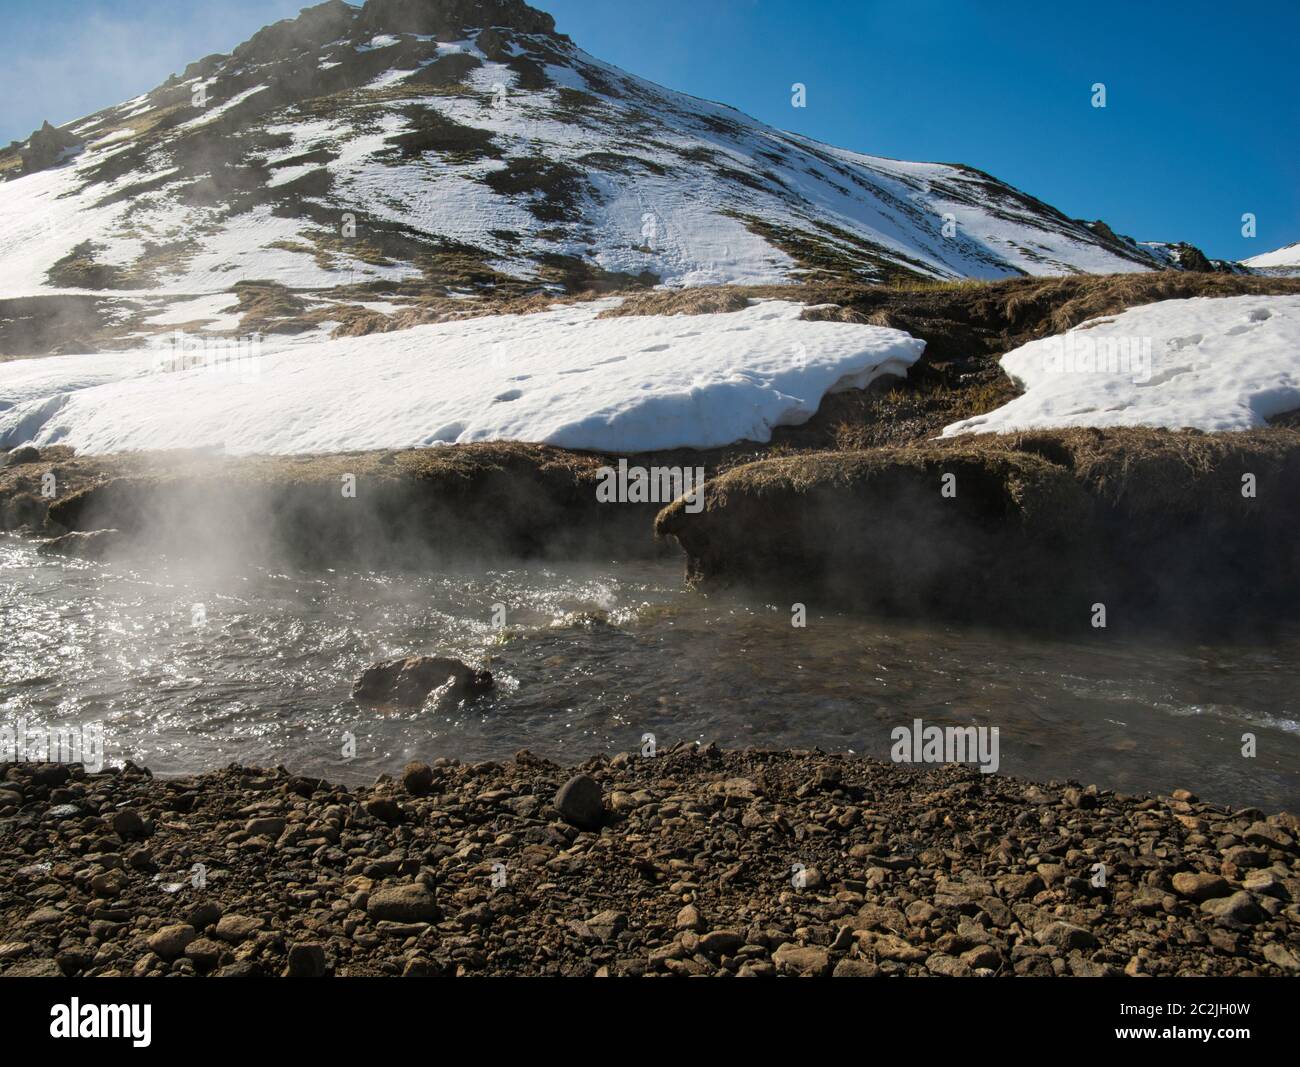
{"x": 691, "y": 862}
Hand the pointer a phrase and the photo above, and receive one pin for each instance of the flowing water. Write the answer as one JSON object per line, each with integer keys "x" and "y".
{"x": 188, "y": 671}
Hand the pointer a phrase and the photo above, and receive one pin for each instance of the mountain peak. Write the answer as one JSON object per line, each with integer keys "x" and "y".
{"x": 431, "y": 151}
{"x": 440, "y": 17}
{"x": 335, "y": 20}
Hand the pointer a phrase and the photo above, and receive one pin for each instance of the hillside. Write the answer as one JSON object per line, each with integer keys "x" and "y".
{"x": 1284, "y": 261}
{"x": 355, "y": 163}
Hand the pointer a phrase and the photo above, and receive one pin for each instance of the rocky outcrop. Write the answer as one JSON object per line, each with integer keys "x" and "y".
{"x": 1176, "y": 255}
{"x": 1192, "y": 258}
{"x": 21, "y": 511}
{"x": 494, "y": 44}
{"x": 488, "y": 500}
{"x": 23, "y": 454}
{"x": 315, "y": 26}
{"x": 449, "y": 19}
{"x": 47, "y": 147}
{"x": 408, "y": 682}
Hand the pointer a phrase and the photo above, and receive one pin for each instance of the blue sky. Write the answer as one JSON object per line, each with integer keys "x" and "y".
{"x": 1199, "y": 127}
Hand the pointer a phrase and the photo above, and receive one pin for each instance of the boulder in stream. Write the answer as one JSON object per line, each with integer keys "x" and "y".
{"x": 407, "y": 682}
{"x": 83, "y": 544}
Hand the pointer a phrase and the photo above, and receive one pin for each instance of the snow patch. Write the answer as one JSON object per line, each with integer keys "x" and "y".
{"x": 1207, "y": 363}
{"x": 1288, "y": 256}
{"x": 624, "y": 384}
{"x": 209, "y": 114}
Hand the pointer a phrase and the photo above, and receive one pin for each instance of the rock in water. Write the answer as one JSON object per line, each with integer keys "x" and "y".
{"x": 407, "y": 682}
{"x": 89, "y": 544}
{"x": 580, "y": 803}
{"x": 581, "y": 620}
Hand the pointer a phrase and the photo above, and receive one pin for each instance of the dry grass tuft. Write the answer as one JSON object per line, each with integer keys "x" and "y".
{"x": 708, "y": 301}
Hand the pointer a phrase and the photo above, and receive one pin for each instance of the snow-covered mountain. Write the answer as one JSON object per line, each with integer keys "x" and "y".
{"x": 1285, "y": 260}
{"x": 416, "y": 149}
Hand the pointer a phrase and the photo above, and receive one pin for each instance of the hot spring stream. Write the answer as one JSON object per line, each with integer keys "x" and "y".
{"x": 189, "y": 671}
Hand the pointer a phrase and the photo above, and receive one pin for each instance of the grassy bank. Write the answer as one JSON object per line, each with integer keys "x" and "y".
{"x": 1159, "y": 527}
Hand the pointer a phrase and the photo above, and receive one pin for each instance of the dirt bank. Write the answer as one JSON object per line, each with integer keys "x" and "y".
{"x": 697, "y": 862}
{"x": 1159, "y": 527}
{"x": 1034, "y": 528}
{"x": 373, "y": 508}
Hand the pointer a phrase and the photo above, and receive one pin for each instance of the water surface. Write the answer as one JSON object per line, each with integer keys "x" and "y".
{"x": 264, "y": 677}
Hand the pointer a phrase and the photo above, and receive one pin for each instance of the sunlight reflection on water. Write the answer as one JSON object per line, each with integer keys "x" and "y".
{"x": 266, "y": 678}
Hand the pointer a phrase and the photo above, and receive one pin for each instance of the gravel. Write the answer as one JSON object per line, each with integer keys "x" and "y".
{"x": 693, "y": 862}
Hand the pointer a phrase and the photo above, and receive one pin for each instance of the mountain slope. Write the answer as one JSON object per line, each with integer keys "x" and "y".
{"x": 437, "y": 149}
{"x": 1285, "y": 260}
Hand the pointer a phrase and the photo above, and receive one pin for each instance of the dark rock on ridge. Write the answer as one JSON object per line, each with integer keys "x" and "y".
{"x": 47, "y": 147}
{"x": 451, "y": 17}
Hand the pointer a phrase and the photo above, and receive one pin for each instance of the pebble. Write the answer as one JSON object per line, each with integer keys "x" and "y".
{"x": 1239, "y": 907}
{"x": 1066, "y": 937}
{"x": 721, "y": 942}
{"x": 1200, "y": 886}
{"x": 127, "y": 824}
{"x": 271, "y": 827}
{"x": 417, "y": 778}
{"x": 803, "y": 960}
{"x": 171, "y": 941}
{"x": 205, "y": 953}
{"x": 306, "y": 960}
{"x": 412, "y": 903}
{"x": 235, "y": 928}
{"x": 580, "y": 803}
{"x": 688, "y": 918}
